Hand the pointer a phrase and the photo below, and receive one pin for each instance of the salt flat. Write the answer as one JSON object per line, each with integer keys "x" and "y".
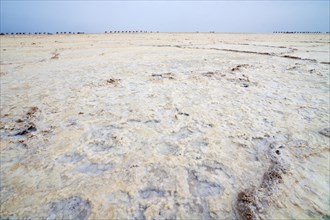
{"x": 165, "y": 126}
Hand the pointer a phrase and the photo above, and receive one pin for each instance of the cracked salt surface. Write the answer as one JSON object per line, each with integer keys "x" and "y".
{"x": 165, "y": 126}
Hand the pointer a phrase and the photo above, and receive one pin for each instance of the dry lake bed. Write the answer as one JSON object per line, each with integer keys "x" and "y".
{"x": 165, "y": 126}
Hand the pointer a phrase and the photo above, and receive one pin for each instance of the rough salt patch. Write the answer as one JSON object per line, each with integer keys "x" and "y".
{"x": 15, "y": 152}
{"x": 325, "y": 132}
{"x": 70, "y": 158}
{"x": 151, "y": 193}
{"x": 6, "y": 192}
{"x": 102, "y": 140}
{"x": 183, "y": 133}
{"x": 119, "y": 197}
{"x": 196, "y": 149}
{"x": 154, "y": 203}
{"x": 157, "y": 172}
{"x": 139, "y": 213}
{"x": 13, "y": 217}
{"x": 219, "y": 168}
{"x": 201, "y": 145}
{"x": 168, "y": 149}
{"x": 203, "y": 188}
{"x": 72, "y": 208}
{"x": 298, "y": 143}
{"x": 20, "y": 127}
{"x": 94, "y": 169}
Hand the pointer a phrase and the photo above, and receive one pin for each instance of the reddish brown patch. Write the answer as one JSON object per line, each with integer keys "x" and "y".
{"x": 32, "y": 110}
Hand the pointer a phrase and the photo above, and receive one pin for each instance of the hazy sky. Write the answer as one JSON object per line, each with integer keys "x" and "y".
{"x": 167, "y": 16}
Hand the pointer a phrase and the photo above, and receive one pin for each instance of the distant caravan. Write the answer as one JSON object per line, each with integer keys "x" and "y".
{"x": 297, "y": 32}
